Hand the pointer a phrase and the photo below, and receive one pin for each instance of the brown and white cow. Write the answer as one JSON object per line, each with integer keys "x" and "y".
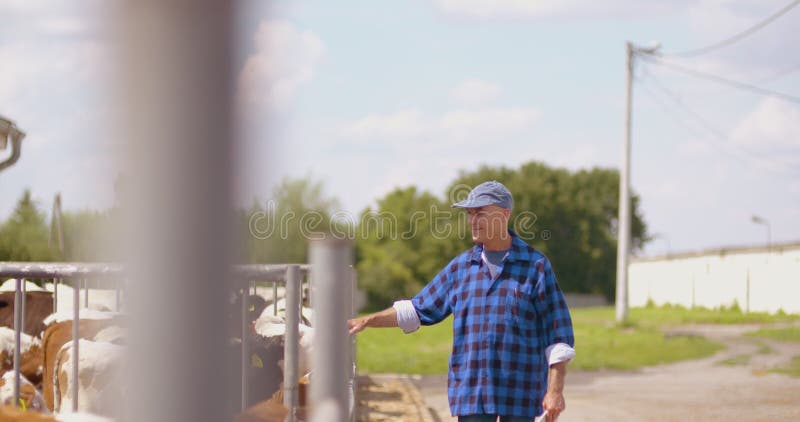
{"x": 31, "y": 355}
{"x": 38, "y": 305}
{"x": 59, "y": 333}
{"x": 99, "y": 384}
{"x": 27, "y": 393}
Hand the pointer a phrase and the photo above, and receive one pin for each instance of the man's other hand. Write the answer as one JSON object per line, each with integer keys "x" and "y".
{"x": 553, "y": 404}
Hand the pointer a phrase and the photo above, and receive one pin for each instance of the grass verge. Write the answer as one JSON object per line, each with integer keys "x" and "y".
{"x": 793, "y": 369}
{"x": 600, "y": 342}
{"x": 780, "y": 334}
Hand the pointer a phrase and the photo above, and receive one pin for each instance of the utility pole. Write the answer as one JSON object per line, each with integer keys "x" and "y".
{"x": 55, "y": 226}
{"x": 624, "y": 220}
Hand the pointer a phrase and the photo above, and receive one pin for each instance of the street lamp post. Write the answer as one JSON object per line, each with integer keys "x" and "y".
{"x": 10, "y": 131}
{"x": 758, "y": 220}
{"x": 663, "y": 237}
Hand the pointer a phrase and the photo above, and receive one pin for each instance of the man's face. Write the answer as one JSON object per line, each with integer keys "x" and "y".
{"x": 487, "y": 223}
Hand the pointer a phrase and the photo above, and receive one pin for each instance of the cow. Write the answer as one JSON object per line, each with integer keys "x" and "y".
{"x": 27, "y": 393}
{"x": 256, "y": 305}
{"x": 265, "y": 357}
{"x": 264, "y": 373}
{"x": 99, "y": 384}
{"x": 31, "y": 355}
{"x": 38, "y": 305}
{"x": 306, "y": 314}
{"x": 270, "y": 326}
{"x": 59, "y": 333}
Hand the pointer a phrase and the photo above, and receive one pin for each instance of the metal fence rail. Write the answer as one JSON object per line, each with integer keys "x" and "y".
{"x": 332, "y": 276}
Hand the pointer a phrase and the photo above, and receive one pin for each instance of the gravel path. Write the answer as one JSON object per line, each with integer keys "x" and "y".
{"x": 734, "y": 384}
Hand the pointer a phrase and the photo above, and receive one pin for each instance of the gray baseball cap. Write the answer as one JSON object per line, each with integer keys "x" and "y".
{"x": 487, "y": 193}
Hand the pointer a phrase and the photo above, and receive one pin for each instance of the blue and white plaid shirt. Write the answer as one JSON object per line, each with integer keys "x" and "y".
{"x": 501, "y": 328}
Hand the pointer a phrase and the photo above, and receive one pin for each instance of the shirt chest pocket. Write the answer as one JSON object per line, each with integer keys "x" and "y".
{"x": 520, "y": 307}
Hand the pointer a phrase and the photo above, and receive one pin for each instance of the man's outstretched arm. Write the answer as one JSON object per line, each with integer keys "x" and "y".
{"x": 402, "y": 314}
{"x": 384, "y": 318}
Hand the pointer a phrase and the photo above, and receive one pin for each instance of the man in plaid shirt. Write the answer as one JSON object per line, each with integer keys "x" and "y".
{"x": 512, "y": 331}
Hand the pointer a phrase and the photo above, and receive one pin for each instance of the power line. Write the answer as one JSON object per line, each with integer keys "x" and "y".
{"x": 780, "y": 74}
{"x": 728, "y": 41}
{"x": 654, "y": 97}
{"x": 728, "y": 147}
{"x": 724, "y": 81}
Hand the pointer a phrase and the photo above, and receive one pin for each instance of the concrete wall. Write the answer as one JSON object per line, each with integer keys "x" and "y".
{"x": 758, "y": 279}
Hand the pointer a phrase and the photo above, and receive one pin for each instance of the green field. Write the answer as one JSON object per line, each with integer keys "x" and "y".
{"x": 600, "y": 342}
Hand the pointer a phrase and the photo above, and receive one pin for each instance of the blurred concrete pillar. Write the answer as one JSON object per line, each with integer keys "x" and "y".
{"x": 174, "y": 91}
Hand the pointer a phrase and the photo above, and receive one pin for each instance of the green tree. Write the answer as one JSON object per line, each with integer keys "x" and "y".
{"x": 90, "y": 236}
{"x": 402, "y": 244}
{"x": 24, "y": 236}
{"x": 279, "y": 231}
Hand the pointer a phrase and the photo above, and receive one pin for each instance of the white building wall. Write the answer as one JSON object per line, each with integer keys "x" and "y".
{"x": 756, "y": 279}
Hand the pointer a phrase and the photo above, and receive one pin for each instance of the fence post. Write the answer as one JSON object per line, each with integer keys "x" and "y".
{"x": 353, "y": 349}
{"x": 274, "y": 298}
{"x": 330, "y": 260}
{"x": 55, "y": 294}
{"x": 24, "y": 300}
{"x": 245, "y": 337}
{"x": 291, "y": 341}
{"x": 117, "y": 294}
{"x": 76, "y": 308}
{"x": 86, "y": 292}
{"x": 17, "y": 337}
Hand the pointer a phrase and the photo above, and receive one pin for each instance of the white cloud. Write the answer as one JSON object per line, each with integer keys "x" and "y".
{"x": 55, "y": 85}
{"x": 62, "y": 26}
{"x": 774, "y": 124}
{"x": 402, "y": 124}
{"x": 497, "y": 121}
{"x": 536, "y": 9}
{"x": 578, "y": 157}
{"x": 453, "y": 128}
{"x": 283, "y": 61}
{"x": 474, "y": 92}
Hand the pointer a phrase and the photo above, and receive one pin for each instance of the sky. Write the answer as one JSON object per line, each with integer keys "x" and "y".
{"x": 370, "y": 96}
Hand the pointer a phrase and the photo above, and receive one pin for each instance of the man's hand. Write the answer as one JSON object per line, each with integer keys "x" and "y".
{"x": 553, "y": 404}
{"x": 357, "y": 325}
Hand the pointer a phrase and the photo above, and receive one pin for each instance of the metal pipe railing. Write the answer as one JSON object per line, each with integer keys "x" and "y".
{"x": 276, "y": 272}
{"x": 17, "y": 337}
{"x": 291, "y": 275}
{"x": 76, "y": 313}
{"x": 274, "y": 298}
{"x": 245, "y": 342}
{"x": 291, "y": 341}
{"x": 24, "y": 299}
{"x": 331, "y": 277}
{"x": 55, "y": 294}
